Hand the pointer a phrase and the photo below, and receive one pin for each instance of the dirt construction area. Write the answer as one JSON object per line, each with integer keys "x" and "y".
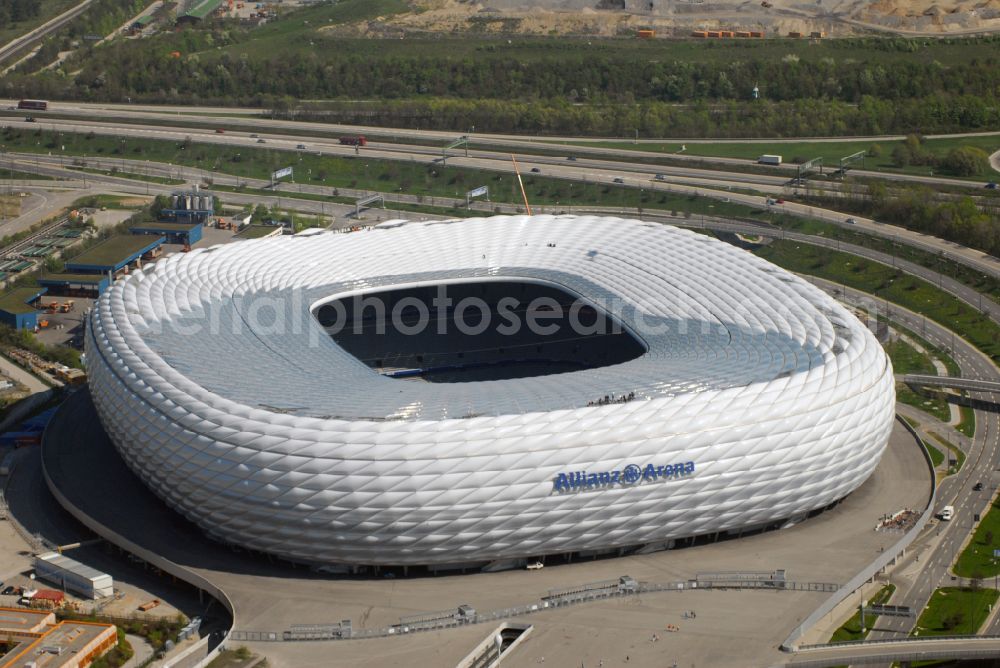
{"x": 678, "y": 18}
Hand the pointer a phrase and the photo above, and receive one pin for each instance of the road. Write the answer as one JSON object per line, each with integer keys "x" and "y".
{"x": 50, "y": 166}
{"x": 287, "y": 129}
{"x": 708, "y": 183}
{"x": 103, "y": 108}
{"x": 26, "y": 40}
{"x": 928, "y": 565}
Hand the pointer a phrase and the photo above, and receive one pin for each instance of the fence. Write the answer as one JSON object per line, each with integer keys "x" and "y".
{"x": 624, "y": 586}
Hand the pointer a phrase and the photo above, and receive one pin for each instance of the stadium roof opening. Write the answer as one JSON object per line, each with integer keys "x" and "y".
{"x": 477, "y": 330}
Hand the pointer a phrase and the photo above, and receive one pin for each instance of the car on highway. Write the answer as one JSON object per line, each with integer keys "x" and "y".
{"x": 7, "y": 591}
{"x": 254, "y": 135}
{"x": 770, "y": 201}
{"x": 261, "y": 141}
{"x": 571, "y": 158}
{"x": 978, "y": 487}
{"x": 219, "y": 131}
{"x": 301, "y": 147}
{"x": 536, "y": 170}
{"x": 992, "y": 185}
{"x": 619, "y": 180}
{"x": 779, "y": 201}
{"x": 661, "y": 177}
{"x": 850, "y": 221}
{"x": 29, "y": 119}
{"x": 535, "y": 566}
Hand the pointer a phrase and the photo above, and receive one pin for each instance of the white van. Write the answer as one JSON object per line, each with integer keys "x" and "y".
{"x": 947, "y": 513}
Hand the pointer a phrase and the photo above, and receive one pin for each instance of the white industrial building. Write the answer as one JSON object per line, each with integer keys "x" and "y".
{"x": 734, "y": 396}
{"x": 70, "y": 575}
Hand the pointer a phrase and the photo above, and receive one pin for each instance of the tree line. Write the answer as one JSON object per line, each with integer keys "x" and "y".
{"x": 566, "y": 89}
{"x": 14, "y": 11}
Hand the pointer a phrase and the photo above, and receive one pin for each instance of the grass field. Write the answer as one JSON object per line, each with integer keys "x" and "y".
{"x": 967, "y": 425}
{"x": 10, "y": 206}
{"x": 851, "y": 629}
{"x": 976, "y": 560}
{"x": 937, "y": 457}
{"x": 907, "y": 359}
{"x": 954, "y": 452}
{"x": 955, "y": 611}
{"x": 980, "y": 282}
{"x": 132, "y": 175}
{"x": 929, "y": 402}
{"x": 887, "y": 283}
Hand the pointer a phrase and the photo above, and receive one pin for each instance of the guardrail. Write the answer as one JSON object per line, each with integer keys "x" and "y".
{"x": 875, "y": 566}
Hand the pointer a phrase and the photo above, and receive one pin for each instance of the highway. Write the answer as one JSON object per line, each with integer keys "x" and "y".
{"x": 52, "y": 166}
{"x": 709, "y": 183}
{"x": 248, "y": 120}
{"x": 928, "y": 564}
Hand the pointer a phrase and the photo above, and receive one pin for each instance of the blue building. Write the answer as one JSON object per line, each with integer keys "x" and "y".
{"x": 174, "y": 233}
{"x": 17, "y": 307}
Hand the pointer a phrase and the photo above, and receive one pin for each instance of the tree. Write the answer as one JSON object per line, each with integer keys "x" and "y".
{"x": 966, "y": 161}
{"x": 901, "y": 156}
{"x": 260, "y": 214}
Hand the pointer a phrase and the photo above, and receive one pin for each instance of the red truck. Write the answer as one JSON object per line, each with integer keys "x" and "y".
{"x": 354, "y": 140}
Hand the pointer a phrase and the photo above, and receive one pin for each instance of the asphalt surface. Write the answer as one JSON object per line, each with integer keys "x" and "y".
{"x": 274, "y": 595}
{"x": 628, "y": 167}
{"x": 928, "y": 565}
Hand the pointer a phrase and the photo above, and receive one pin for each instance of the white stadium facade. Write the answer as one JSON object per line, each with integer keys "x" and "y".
{"x": 485, "y": 391}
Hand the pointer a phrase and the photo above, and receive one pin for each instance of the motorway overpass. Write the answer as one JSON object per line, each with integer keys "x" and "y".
{"x": 952, "y": 382}
{"x": 902, "y": 650}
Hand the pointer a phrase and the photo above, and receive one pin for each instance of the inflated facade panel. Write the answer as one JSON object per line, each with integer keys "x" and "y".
{"x": 759, "y": 398}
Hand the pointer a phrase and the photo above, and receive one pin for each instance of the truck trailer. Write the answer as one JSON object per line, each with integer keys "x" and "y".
{"x": 767, "y": 159}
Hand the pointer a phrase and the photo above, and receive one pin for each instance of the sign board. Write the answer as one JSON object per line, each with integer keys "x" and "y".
{"x": 996, "y": 553}
{"x": 281, "y": 173}
{"x": 476, "y": 192}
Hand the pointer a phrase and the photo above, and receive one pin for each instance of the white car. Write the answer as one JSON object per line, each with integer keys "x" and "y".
{"x": 535, "y": 565}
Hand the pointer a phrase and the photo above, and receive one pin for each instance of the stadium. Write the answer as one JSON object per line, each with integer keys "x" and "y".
{"x": 485, "y": 391}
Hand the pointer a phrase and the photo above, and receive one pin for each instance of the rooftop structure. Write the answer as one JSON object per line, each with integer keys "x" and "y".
{"x": 202, "y": 9}
{"x": 16, "y": 309}
{"x": 259, "y": 232}
{"x": 67, "y": 645}
{"x": 72, "y": 575}
{"x": 113, "y": 255}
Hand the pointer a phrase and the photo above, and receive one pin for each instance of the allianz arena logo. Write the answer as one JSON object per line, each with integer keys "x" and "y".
{"x": 629, "y": 476}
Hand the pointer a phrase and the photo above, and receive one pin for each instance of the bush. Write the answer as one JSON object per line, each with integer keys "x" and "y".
{"x": 966, "y": 161}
